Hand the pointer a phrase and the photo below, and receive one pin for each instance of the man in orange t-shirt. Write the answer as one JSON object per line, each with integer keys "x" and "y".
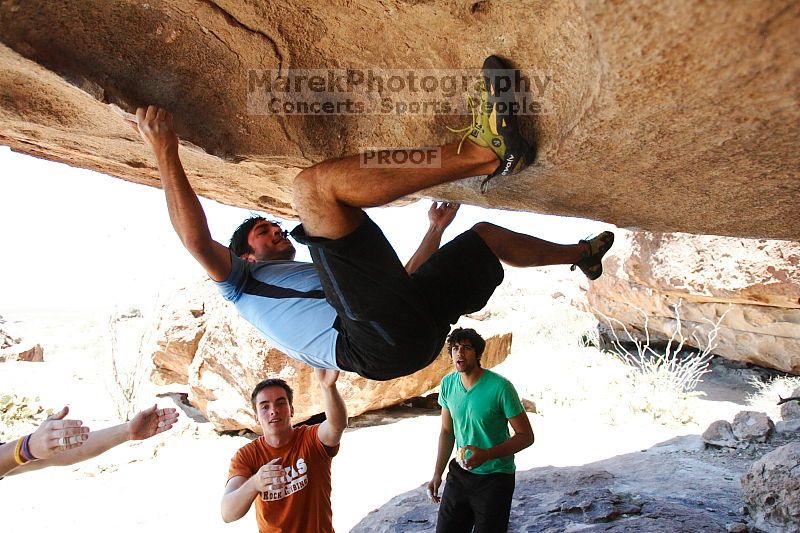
{"x": 287, "y": 471}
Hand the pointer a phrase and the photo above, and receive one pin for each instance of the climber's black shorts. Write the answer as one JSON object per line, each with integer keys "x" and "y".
{"x": 391, "y": 324}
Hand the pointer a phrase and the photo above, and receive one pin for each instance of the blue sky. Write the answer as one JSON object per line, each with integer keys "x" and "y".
{"x": 72, "y": 238}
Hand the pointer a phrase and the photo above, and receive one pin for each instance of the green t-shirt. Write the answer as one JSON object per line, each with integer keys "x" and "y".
{"x": 480, "y": 415}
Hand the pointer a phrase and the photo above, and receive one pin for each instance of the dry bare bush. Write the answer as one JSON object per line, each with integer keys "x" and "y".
{"x": 767, "y": 393}
{"x": 127, "y": 375}
{"x": 665, "y": 378}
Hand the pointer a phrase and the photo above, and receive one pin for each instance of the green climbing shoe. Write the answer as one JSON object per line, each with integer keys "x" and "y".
{"x": 592, "y": 262}
{"x": 494, "y": 122}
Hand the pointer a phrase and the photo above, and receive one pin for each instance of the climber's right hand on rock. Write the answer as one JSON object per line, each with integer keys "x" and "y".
{"x": 154, "y": 124}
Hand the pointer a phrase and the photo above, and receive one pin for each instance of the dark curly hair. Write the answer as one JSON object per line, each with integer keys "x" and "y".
{"x": 239, "y": 245}
{"x": 467, "y": 334}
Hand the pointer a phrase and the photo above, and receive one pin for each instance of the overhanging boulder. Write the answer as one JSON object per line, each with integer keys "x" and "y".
{"x": 670, "y": 116}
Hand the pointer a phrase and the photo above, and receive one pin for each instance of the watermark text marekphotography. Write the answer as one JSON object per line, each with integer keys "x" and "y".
{"x": 388, "y": 92}
{"x": 428, "y": 157}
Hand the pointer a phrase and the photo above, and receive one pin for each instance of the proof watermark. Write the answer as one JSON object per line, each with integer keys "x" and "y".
{"x": 417, "y": 158}
{"x": 392, "y": 92}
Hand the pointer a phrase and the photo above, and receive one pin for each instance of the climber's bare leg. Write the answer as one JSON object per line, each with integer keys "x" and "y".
{"x": 520, "y": 250}
{"x": 329, "y": 196}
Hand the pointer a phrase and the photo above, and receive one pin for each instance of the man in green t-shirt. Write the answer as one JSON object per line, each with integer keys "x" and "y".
{"x": 477, "y": 406}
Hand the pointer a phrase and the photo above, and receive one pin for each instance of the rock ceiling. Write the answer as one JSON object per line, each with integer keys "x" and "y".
{"x": 665, "y": 116}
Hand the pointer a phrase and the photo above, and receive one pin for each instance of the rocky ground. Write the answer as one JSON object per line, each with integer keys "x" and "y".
{"x": 680, "y": 485}
{"x": 603, "y": 460}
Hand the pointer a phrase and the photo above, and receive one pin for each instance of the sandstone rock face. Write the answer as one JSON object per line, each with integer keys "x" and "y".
{"x": 222, "y": 357}
{"x": 771, "y": 488}
{"x": 674, "y": 116}
{"x": 177, "y": 334}
{"x": 755, "y": 283}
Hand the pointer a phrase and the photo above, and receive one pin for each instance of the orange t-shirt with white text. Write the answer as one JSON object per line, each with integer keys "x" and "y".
{"x": 304, "y": 504}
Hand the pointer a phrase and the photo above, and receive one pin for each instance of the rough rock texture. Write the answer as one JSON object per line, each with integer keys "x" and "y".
{"x": 788, "y": 426}
{"x": 747, "y": 426}
{"x": 6, "y": 340}
{"x": 679, "y": 485}
{"x": 24, "y": 351}
{"x": 751, "y": 425}
{"x": 736, "y": 527}
{"x": 181, "y": 324}
{"x": 720, "y": 433}
{"x": 675, "y": 488}
{"x": 771, "y": 488}
{"x": 757, "y": 282}
{"x": 669, "y": 116}
{"x": 201, "y": 340}
{"x": 14, "y": 348}
{"x": 791, "y": 410}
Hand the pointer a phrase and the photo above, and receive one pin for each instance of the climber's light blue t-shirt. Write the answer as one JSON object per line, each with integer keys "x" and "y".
{"x": 285, "y": 302}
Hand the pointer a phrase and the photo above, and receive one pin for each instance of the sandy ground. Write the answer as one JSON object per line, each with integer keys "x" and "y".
{"x": 173, "y": 482}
